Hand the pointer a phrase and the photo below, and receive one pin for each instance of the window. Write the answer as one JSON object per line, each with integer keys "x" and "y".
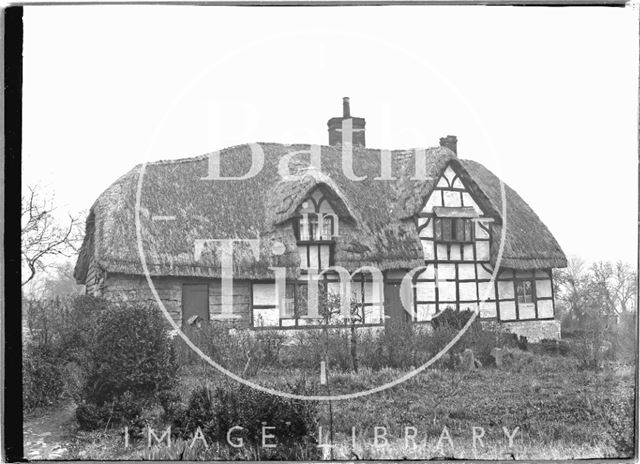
{"x": 295, "y": 303}
{"x": 265, "y": 305}
{"x": 327, "y": 228}
{"x": 453, "y": 229}
{"x": 525, "y": 291}
{"x": 314, "y": 229}
{"x": 267, "y": 311}
{"x": 292, "y": 310}
{"x": 366, "y": 300}
{"x": 306, "y": 229}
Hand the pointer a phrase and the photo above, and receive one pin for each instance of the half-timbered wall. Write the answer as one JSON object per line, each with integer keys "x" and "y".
{"x": 270, "y": 309}
{"x": 458, "y": 271}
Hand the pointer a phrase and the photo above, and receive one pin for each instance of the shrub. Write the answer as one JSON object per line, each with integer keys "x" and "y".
{"x": 216, "y": 411}
{"x": 240, "y": 350}
{"x": 624, "y": 339}
{"x": 371, "y": 352}
{"x": 592, "y": 346}
{"x": 308, "y": 348}
{"x": 477, "y": 338}
{"x": 432, "y": 343}
{"x": 56, "y": 345}
{"x": 451, "y": 318}
{"x": 212, "y": 338}
{"x": 399, "y": 344}
{"x": 621, "y": 427}
{"x": 124, "y": 409}
{"x": 516, "y": 360}
{"x": 91, "y": 416}
{"x": 131, "y": 363}
{"x": 482, "y": 341}
{"x": 41, "y": 377}
{"x": 552, "y": 346}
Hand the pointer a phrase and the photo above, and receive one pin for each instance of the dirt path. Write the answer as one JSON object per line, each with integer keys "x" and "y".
{"x": 45, "y": 434}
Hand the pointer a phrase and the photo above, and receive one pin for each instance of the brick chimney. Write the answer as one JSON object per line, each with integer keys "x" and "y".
{"x": 357, "y": 127}
{"x": 450, "y": 142}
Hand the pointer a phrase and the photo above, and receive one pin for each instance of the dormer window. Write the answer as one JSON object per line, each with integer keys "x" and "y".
{"x": 307, "y": 228}
{"x": 314, "y": 229}
{"x": 327, "y": 228}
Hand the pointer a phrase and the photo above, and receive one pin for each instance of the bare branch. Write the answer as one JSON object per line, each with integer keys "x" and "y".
{"x": 43, "y": 237}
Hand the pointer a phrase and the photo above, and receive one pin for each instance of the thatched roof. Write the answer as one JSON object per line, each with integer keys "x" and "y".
{"x": 376, "y": 227}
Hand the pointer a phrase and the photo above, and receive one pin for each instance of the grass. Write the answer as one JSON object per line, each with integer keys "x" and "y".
{"x": 561, "y": 413}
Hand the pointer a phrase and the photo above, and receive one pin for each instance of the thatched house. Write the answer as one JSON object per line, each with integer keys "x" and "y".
{"x": 448, "y": 220}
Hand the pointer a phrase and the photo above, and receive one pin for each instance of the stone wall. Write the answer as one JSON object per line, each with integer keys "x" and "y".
{"x": 533, "y": 330}
{"x": 136, "y": 288}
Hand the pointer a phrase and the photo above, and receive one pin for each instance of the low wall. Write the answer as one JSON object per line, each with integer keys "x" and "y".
{"x": 533, "y": 330}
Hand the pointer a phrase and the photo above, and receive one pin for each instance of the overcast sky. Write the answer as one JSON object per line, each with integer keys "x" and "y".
{"x": 544, "y": 97}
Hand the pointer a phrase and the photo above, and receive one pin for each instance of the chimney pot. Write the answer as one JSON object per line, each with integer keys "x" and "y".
{"x": 346, "y": 111}
{"x": 450, "y": 142}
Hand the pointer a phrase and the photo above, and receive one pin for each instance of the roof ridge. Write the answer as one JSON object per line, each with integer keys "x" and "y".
{"x": 280, "y": 144}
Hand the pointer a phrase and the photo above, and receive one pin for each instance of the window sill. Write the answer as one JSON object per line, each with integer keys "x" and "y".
{"x": 316, "y": 326}
{"x": 454, "y": 242}
{"x": 316, "y": 242}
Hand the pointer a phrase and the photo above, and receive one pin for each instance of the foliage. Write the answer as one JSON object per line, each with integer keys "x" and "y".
{"x": 621, "y": 425}
{"x": 109, "y": 357}
{"x": 57, "y": 339}
{"x": 57, "y": 281}
{"x": 562, "y": 412}
{"x": 122, "y": 409}
{"x": 399, "y": 344}
{"x": 132, "y": 365}
{"x": 625, "y": 338}
{"x": 131, "y": 353}
{"x": 593, "y": 345}
{"x": 216, "y": 411}
{"x": 42, "y": 383}
{"x": 604, "y": 289}
{"x": 240, "y": 350}
{"x": 451, "y": 318}
{"x": 597, "y": 307}
{"x": 556, "y": 347}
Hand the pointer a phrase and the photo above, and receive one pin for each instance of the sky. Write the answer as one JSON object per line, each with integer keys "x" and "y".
{"x": 547, "y": 98}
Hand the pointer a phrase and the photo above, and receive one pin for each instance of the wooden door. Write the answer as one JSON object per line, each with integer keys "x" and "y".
{"x": 195, "y": 302}
{"x": 393, "y": 309}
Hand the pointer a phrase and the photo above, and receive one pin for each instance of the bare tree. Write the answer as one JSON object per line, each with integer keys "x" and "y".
{"x": 614, "y": 287}
{"x": 604, "y": 288}
{"x": 43, "y": 236}
{"x": 60, "y": 281}
{"x": 625, "y": 287}
{"x": 572, "y": 285}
